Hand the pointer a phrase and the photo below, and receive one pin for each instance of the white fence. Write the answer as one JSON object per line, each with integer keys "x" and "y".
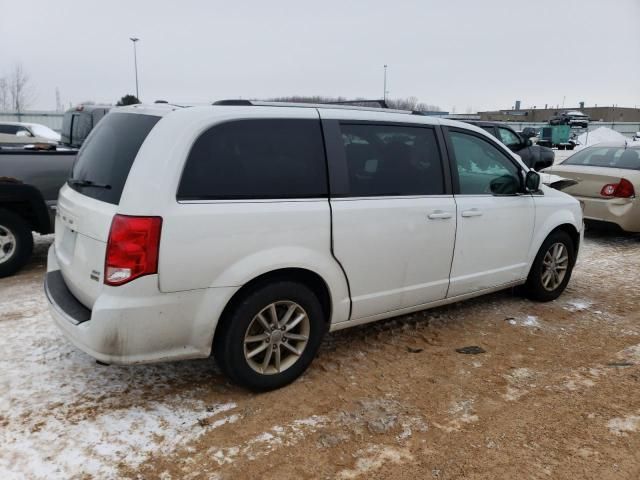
{"x": 52, "y": 120}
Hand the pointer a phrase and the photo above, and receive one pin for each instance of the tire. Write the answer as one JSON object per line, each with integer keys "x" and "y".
{"x": 544, "y": 287}
{"x": 243, "y": 321}
{"x": 16, "y": 243}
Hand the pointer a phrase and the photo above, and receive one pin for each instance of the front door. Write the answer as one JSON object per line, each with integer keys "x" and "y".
{"x": 394, "y": 221}
{"x": 495, "y": 220}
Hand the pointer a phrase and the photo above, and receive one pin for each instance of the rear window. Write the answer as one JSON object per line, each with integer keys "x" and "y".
{"x": 613, "y": 157}
{"x": 266, "y": 158}
{"x": 105, "y": 159}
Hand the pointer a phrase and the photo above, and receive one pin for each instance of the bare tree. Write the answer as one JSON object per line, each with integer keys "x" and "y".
{"x": 20, "y": 91}
{"x": 4, "y": 94}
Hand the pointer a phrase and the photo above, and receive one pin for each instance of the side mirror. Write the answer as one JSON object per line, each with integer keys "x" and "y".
{"x": 532, "y": 181}
{"x": 528, "y": 142}
{"x": 23, "y": 133}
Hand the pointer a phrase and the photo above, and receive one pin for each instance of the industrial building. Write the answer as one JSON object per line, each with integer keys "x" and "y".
{"x": 595, "y": 113}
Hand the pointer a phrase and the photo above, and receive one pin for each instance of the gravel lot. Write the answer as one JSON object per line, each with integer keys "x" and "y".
{"x": 555, "y": 395}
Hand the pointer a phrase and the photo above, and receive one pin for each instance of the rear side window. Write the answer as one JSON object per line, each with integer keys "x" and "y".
{"x": 11, "y": 129}
{"x": 386, "y": 160}
{"x": 105, "y": 159}
{"x": 256, "y": 159}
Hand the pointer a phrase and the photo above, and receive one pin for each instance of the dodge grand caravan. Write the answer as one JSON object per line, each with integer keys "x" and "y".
{"x": 247, "y": 231}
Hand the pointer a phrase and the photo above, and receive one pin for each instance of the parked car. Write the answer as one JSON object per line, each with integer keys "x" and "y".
{"x": 79, "y": 121}
{"x": 530, "y": 132}
{"x": 533, "y": 156}
{"x": 608, "y": 177}
{"x": 250, "y": 230}
{"x": 29, "y": 184}
{"x": 19, "y": 133}
{"x": 573, "y": 118}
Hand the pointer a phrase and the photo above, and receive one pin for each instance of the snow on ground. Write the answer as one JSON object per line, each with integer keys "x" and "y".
{"x": 61, "y": 414}
{"x": 601, "y": 135}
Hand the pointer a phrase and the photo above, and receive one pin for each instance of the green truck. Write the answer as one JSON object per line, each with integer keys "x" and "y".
{"x": 558, "y": 136}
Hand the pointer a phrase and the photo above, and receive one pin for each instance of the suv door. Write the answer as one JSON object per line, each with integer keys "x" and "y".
{"x": 393, "y": 213}
{"x": 495, "y": 220}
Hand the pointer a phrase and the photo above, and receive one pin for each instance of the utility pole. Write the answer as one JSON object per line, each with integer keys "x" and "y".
{"x": 384, "y": 93}
{"x": 135, "y": 63}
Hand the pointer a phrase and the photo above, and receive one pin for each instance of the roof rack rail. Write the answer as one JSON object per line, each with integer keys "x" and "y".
{"x": 347, "y": 105}
{"x": 381, "y": 103}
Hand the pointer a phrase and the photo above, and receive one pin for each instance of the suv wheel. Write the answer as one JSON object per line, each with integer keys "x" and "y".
{"x": 551, "y": 269}
{"x": 16, "y": 243}
{"x": 271, "y": 336}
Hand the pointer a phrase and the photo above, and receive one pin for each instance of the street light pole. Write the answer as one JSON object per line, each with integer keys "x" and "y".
{"x": 135, "y": 63}
{"x": 384, "y": 92}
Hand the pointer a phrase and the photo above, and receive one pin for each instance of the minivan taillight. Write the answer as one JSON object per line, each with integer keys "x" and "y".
{"x": 132, "y": 248}
{"x": 623, "y": 189}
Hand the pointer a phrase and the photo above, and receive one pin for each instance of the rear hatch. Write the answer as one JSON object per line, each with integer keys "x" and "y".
{"x": 90, "y": 199}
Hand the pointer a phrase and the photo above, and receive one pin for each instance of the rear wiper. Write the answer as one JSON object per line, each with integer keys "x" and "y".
{"x": 87, "y": 183}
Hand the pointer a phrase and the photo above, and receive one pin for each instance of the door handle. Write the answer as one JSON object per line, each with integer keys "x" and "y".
{"x": 439, "y": 215}
{"x": 474, "y": 212}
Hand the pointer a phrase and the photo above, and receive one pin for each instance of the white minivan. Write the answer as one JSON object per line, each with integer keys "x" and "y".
{"x": 248, "y": 230}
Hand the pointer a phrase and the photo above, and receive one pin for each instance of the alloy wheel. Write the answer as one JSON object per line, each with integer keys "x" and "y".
{"x": 554, "y": 266}
{"x": 276, "y": 337}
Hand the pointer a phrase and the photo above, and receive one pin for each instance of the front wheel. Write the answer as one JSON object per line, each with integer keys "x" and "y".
{"x": 551, "y": 269}
{"x": 271, "y": 336}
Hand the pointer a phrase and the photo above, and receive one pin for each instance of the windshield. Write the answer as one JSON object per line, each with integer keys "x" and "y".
{"x": 612, "y": 157}
{"x": 105, "y": 159}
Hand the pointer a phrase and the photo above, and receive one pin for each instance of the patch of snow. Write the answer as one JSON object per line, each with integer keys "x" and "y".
{"x": 624, "y": 425}
{"x": 578, "y": 305}
{"x": 520, "y": 380}
{"x": 527, "y": 321}
{"x": 630, "y": 354}
{"x": 64, "y": 416}
{"x": 267, "y": 442}
{"x": 600, "y": 135}
{"x": 373, "y": 458}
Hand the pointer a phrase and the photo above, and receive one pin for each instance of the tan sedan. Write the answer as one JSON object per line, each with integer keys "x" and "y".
{"x": 608, "y": 179}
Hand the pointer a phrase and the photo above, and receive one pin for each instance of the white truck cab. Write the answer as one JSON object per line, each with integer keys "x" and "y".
{"x": 249, "y": 230}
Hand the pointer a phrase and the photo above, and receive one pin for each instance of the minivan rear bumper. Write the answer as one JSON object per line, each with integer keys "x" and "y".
{"x": 136, "y": 323}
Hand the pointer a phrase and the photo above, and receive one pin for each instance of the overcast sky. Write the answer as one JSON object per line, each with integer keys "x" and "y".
{"x": 462, "y": 54}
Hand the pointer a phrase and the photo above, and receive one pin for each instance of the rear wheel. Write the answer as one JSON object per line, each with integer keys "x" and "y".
{"x": 16, "y": 243}
{"x": 552, "y": 267}
{"x": 271, "y": 336}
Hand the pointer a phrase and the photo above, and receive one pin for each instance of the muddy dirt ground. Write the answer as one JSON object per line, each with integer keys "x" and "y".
{"x": 556, "y": 394}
